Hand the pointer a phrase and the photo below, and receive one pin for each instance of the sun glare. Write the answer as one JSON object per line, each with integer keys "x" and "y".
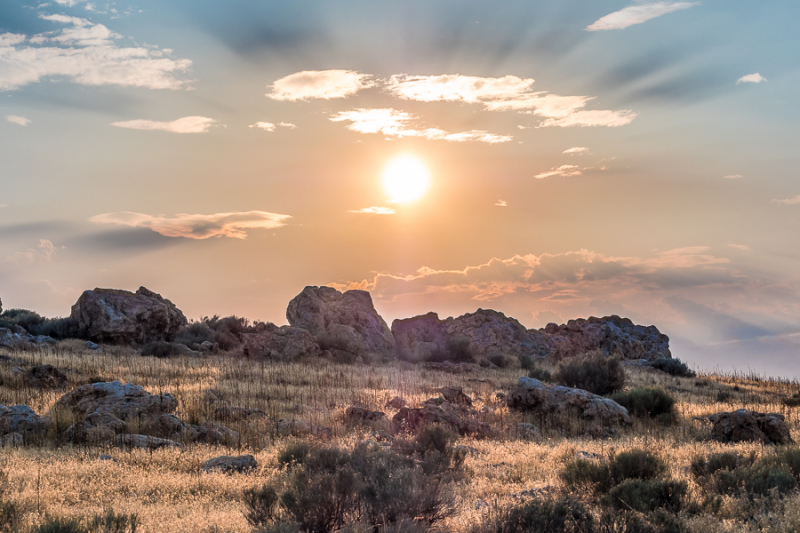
{"x": 405, "y": 179}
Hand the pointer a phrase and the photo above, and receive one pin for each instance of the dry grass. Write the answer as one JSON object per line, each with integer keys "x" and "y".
{"x": 168, "y": 493}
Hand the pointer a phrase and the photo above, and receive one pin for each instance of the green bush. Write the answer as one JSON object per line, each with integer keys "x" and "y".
{"x": 646, "y": 402}
{"x": 673, "y": 366}
{"x": 730, "y": 474}
{"x": 595, "y": 373}
{"x": 540, "y": 373}
{"x": 646, "y": 495}
{"x": 582, "y": 475}
{"x": 547, "y": 516}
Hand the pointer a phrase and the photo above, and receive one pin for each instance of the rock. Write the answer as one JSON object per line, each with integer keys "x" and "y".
{"x": 396, "y": 403}
{"x": 171, "y": 427}
{"x": 106, "y": 457}
{"x": 528, "y": 431}
{"x": 611, "y": 334}
{"x": 214, "y": 396}
{"x": 230, "y": 464}
{"x": 12, "y": 440}
{"x": 456, "y": 395}
{"x": 358, "y": 416}
{"x": 487, "y": 332}
{"x": 285, "y": 343}
{"x": 123, "y": 401}
{"x": 92, "y": 346}
{"x": 588, "y": 455}
{"x": 457, "y": 418}
{"x": 44, "y": 377}
{"x": 346, "y": 321}
{"x": 743, "y": 426}
{"x": 109, "y": 315}
{"x": 295, "y": 428}
{"x": 599, "y": 416}
{"x": 16, "y": 339}
{"x": 209, "y": 347}
{"x": 235, "y": 414}
{"x": 482, "y": 506}
{"x": 98, "y": 427}
{"x": 144, "y": 441}
{"x": 23, "y": 420}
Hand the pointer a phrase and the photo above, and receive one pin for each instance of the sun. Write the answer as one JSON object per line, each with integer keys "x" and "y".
{"x": 405, "y": 179}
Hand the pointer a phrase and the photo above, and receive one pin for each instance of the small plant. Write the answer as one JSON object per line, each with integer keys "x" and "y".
{"x": 161, "y": 349}
{"x": 646, "y": 495}
{"x": 111, "y": 522}
{"x": 582, "y": 475}
{"x": 673, "y": 366}
{"x": 595, "y": 373}
{"x": 261, "y": 504}
{"x": 457, "y": 350}
{"x": 540, "y": 373}
{"x": 646, "y": 402}
{"x": 792, "y": 401}
{"x": 563, "y": 515}
{"x": 57, "y": 524}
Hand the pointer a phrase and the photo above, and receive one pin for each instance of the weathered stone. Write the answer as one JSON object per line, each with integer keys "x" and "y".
{"x": 610, "y": 334}
{"x": 456, "y": 395}
{"x": 44, "y": 377}
{"x": 230, "y": 464}
{"x": 296, "y": 428}
{"x": 109, "y": 315}
{"x": 123, "y": 401}
{"x": 23, "y": 420}
{"x": 396, "y": 403}
{"x": 99, "y": 426}
{"x": 457, "y": 418}
{"x": 744, "y": 425}
{"x": 144, "y": 441}
{"x": 93, "y": 346}
{"x": 16, "y": 339}
{"x": 599, "y": 416}
{"x": 285, "y": 343}
{"x": 346, "y": 321}
{"x": 12, "y": 440}
{"x": 358, "y": 416}
{"x": 528, "y": 431}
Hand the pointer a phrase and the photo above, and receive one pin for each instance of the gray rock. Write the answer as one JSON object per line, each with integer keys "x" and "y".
{"x": 23, "y": 420}
{"x": 92, "y": 346}
{"x": 16, "y": 339}
{"x": 457, "y": 418}
{"x": 109, "y": 315}
{"x": 345, "y": 321}
{"x": 358, "y": 416}
{"x": 123, "y": 401}
{"x": 396, "y": 403}
{"x": 230, "y": 464}
{"x": 749, "y": 426}
{"x": 12, "y": 440}
{"x": 285, "y": 343}
{"x": 610, "y": 334}
{"x": 588, "y": 455}
{"x": 143, "y": 441}
{"x": 599, "y": 416}
{"x": 528, "y": 431}
{"x": 234, "y": 414}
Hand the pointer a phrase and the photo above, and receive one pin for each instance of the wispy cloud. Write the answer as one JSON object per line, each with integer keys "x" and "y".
{"x": 85, "y": 53}
{"x": 195, "y": 226}
{"x": 742, "y": 247}
{"x": 287, "y": 125}
{"x": 608, "y": 118}
{"x": 16, "y": 119}
{"x": 374, "y": 210}
{"x": 751, "y": 78}
{"x": 788, "y": 201}
{"x": 576, "y": 150}
{"x": 181, "y": 125}
{"x": 562, "y": 171}
{"x": 393, "y": 123}
{"x": 732, "y": 176}
{"x": 632, "y": 15}
{"x": 501, "y": 203}
{"x": 266, "y": 126}
{"x": 325, "y": 84}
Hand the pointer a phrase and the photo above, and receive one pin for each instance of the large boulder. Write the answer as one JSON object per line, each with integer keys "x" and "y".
{"x": 230, "y": 464}
{"x": 125, "y": 402}
{"x": 487, "y": 333}
{"x": 457, "y": 418}
{"x": 749, "y": 426}
{"x": 285, "y": 343}
{"x": 23, "y": 420}
{"x": 110, "y": 315}
{"x": 597, "y": 416}
{"x": 346, "y": 321}
{"x": 610, "y": 334}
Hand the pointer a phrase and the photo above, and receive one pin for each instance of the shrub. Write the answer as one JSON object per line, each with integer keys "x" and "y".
{"x": 792, "y": 401}
{"x": 583, "y": 475}
{"x": 730, "y": 474}
{"x": 321, "y": 501}
{"x": 626, "y": 521}
{"x": 161, "y": 349}
{"x": 457, "y": 350}
{"x": 433, "y": 444}
{"x": 293, "y": 453}
{"x": 57, "y": 524}
{"x": 595, "y": 373}
{"x": 636, "y": 464}
{"x": 111, "y": 522}
{"x": 547, "y": 516}
{"x": 196, "y": 333}
{"x": 645, "y": 402}
{"x": 501, "y": 361}
{"x": 673, "y": 366}
{"x": 10, "y": 516}
{"x": 261, "y": 504}
{"x": 540, "y": 373}
{"x": 719, "y": 461}
{"x": 646, "y": 495}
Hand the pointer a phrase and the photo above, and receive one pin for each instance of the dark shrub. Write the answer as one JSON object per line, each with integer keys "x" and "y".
{"x": 673, "y": 367}
{"x": 293, "y": 453}
{"x": 501, "y": 361}
{"x": 626, "y": 521}
{"x": 595, "y": 373}
{"x": 547, "y": 516}
{"x": 161, "y": 349}
{"x": 433, "y": 445}
{"x": 10, "y": 515}
{"x": 322, "y": 501}
{"x": 718, "y": 461}
{"x": 730, "y": 474}
{"x": 761, "y": 479}
{"x": 582, "y": 475}
{"x": 111, "y": 522}
{"x": 457, "y": 350}
{"x": 645, "y": 495}
{"x": 792, "y": 401}
{"x": 540, "y": 373}
{"x": 636, "y": 464}
{"x": 58, "y": 524}
{"x": 645, "y": 402}
{"x": 278, "y": 527}
{"x": 261, "y": 505}
{"x": 196, "y": 333}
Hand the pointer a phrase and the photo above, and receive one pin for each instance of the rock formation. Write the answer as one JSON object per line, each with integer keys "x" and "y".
{"x": 230, "y": 464}
{"x": 743, "y": 425}
{"x": 110, "y": 315}
{"x": 598, "y": 416}
{"x": 285, "y": 343}
{"x": 22, "y": 420}
{"x": 611, "y": 334}
{"x": 345, "y": 321}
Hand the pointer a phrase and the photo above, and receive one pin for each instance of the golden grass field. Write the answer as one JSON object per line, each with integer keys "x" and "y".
{"x": 167, "y": 492}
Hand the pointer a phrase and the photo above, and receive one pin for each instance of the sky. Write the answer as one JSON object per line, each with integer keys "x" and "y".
{"x": 547, "y": 159}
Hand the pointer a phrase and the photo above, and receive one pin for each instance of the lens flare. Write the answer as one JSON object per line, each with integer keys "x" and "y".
{"x": 405, "y": 179}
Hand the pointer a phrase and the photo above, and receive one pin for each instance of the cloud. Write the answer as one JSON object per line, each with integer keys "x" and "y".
{"x": 608, "y": 118}
{"x": 576, "y": 150}
{"x": 325, "y": 84}
{"x": 562, "y": 171}
{"x": 788, "y": 201}
{"x": 393, "y": 123}
{"x": 742, "y": 247}
{"x": 374, "y": 210}
{"x": 632, "y": 15}
{"x": 732, "y": 176}
{"x": 501, "y": 203}
{"x": 751, "y": 78}
{"x": 85, "y": 53}
{"x": 15, "y": 119}
{"x": 193, "y": 226}
{"x": 181, "y": 125}
{"x": 266, "y": 126}
{"x": 455, "y": 87}
{"x": 287, "y": 125}
{"x": 43, "y": 253}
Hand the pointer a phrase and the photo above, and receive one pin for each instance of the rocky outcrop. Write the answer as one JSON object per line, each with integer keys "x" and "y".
{"x": 749, "y": 426}
{"x": 126, "y": 402}
{"x": 597, "y": 416}
{"x": 457, "y": 418}
{"x": 145, "y": 442}
{"x": 117, "y": 316}
{"x": 487, "y": 333}
{"x": 17, "y": 338}
{"x": 345, "y": 321}
{"x": 230, "y": 464}
{"x": 22, "y": 420}
{"x": 285, "y": 343}
{"x": 358, "y": 416}
{"x": 611, "y": 334}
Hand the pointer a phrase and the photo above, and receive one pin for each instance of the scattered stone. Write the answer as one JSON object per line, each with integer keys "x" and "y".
{"x": 45, "y": 377}
{"x": 23, "y": 420}
{"x": 599, "y": 416}
{"x": 456, "y": 395}
{"x": 358, "y": 416}
{"x": 588, "y": 455}
{"x": 285, "y": 343}
{"x": 230, "y": 464}
{"x": 144, "y": 441}
{"x": 345, "y": 321}
{"x": 110, "y": 315}
{"x": 106, "y": 457}
{"x": 294, "y": 428}
{"x": 749, "y": 426}
{"x": 92, "y": 346}
{"x": 396, "y": 403}
{"x": 457, "y": 418}
{"x": 528, "y": 431}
